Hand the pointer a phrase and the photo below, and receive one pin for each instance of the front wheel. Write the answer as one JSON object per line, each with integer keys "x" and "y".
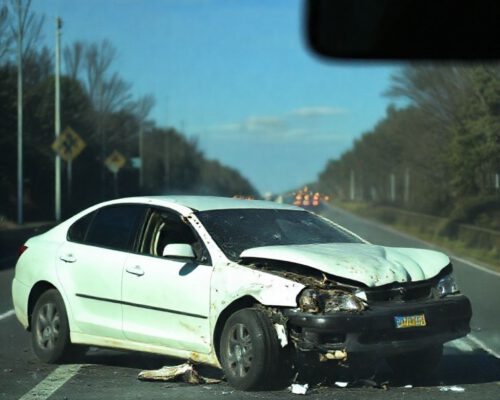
{"x": 50, "y": 329}
{"x": 251, "y": 355}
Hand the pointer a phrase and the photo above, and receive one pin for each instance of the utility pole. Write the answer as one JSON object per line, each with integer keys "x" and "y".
{"x": 141, "y": 157}
{"x": 407, "y": 186}
{"x": 57, "y": 122}
{"x": 20, "y": 191}
{"x": 392, "y": 187}
{"x": 352, "y": 188}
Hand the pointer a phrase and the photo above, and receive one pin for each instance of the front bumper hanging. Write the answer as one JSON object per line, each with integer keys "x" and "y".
{"x": 374, "y": 329}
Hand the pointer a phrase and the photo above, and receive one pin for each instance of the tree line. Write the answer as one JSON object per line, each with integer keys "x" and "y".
{"x": 98, "y": 104}
{"x": 439, "y": 153}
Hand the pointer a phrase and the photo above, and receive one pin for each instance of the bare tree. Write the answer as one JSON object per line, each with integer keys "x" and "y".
{"x": 142, "y": 107}
{"x": 98, "y": 59}
{"x": 73, "y": 59}
{"x": 26, "y": 26}
{"x": 6, "y": 38}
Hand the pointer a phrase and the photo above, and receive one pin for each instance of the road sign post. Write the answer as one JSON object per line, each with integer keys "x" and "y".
{"x": 69, "y": 145}
{"x": 115, "y": 162}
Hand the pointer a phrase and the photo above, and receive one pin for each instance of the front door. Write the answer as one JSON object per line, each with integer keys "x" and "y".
{"x": 166, "y": 301}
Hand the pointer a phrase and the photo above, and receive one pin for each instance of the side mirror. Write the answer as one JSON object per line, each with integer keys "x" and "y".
{"x": 179, "y": 250}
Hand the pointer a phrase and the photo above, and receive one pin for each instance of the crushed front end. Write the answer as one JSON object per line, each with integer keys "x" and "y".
{"x": 335, "y": 320}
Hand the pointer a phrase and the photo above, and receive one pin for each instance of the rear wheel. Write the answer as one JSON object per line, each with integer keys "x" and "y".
{"x": 416, "y": 364}
{"x": 251, "y": 356}
{"x": 50, "y": 329}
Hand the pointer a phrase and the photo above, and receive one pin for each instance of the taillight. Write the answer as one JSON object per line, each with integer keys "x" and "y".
{"x": 22, "y": 249}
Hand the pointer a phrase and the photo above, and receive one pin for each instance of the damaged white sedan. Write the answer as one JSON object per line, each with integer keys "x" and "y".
{"x": 232, "y": 283}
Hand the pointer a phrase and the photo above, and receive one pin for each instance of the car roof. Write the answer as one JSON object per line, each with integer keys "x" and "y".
{"x": 207, "y": 203}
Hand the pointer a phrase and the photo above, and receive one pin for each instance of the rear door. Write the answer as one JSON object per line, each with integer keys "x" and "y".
{"x": 166, "y": 301}
{"x": 90, "y": 267}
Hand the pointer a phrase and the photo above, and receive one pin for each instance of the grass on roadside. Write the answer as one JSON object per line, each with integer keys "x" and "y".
{"x": 489, "y": 258}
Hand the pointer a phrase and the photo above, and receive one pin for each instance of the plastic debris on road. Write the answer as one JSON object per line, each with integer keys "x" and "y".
{"x": 408, "y": 386}
{"x": 297, "y": 388}
{"x": 282, "y": 337}
{"x": 451, "y": 389}
{"x": 341, "y": 384}
{"x": 183, "y": 372}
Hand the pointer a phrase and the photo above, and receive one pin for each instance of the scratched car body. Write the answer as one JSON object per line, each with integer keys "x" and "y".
{"x": 237, "y": 284}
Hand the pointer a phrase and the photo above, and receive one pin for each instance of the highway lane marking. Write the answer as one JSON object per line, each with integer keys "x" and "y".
{"x": 7, "y": 314}
{"x": 484, "y": 346}
{"x": 52, "y": 382}
{"x": 461, "y": 345}
{"x": 410, "y": 237}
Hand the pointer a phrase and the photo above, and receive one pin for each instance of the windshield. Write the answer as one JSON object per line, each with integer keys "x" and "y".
{"x": 237, "y": 230}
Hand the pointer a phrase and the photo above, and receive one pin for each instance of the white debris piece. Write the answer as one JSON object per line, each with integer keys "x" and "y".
{"x": 297, "y": 388}
{"x": 282, "y": 337}
{"x": 408, "y": 386}
{"x": 341, "y": 384}
{"x": 184, "y": 372}
{"x": 451, "y": 389}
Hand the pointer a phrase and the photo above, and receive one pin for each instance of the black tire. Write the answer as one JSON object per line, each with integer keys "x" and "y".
{"x": 416, "y": 364}
{"x": 50, "y": 329}
{"x": 251, "y": 355}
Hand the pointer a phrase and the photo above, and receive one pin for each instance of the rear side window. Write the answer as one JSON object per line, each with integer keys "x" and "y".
{"x": 115, "y": 227}
{"x": 78, "y": 230}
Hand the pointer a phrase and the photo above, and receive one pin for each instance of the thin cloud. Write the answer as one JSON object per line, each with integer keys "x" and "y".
{"x": 308, "y": 112}
{"x": 263, "y": 123}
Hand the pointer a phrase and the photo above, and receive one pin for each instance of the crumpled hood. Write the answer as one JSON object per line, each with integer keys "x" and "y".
{"x": 366, "y": 263}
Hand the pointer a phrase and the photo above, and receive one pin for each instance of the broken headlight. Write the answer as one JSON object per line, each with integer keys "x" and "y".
{"x": 447, "y": 285}
{"x": 342, "y": 302}
{"x": 309, "y": 301}
{"x": 314, "y": 301}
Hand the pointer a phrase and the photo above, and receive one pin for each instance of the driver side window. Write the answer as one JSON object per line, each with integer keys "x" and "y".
{"x": 166, "y": 227}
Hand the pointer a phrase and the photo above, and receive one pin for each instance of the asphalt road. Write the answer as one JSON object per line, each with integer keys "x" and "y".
{"x": 469, "y": 363}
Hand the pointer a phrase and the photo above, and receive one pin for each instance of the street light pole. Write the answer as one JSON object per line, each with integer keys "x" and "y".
{"x": 20, "y": 200}
{"x": 57, "y": 122}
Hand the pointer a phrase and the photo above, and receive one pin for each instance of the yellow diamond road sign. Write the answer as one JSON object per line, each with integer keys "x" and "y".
{"x": 115, "y": 161}
{"x": 68, "y": 145}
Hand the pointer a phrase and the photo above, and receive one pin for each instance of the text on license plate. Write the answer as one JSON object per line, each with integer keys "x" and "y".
{"x": 410, "y": 321}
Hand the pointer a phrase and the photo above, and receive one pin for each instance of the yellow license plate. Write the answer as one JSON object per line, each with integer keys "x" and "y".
{"x": 410, "y": 321}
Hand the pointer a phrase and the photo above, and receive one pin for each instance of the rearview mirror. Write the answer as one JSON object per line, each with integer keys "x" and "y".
{"x": 179, "y": 250}
{"x": 405, "y": 30}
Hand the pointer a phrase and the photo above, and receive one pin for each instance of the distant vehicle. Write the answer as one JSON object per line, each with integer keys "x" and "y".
{"x": 237, "y": 284}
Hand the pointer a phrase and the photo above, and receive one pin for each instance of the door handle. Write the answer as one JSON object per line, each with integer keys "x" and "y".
{"x": 135, "y": 270}
{"x": 69, "y": 258}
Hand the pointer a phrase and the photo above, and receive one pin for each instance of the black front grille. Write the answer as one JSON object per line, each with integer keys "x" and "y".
{"x": 408, "y": 292}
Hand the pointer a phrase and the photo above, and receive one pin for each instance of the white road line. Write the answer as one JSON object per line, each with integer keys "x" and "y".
{"x": 483, "y": 345}
{"x": 410, "y": 237}
{"x": 52, "y": 382}
{"x": 7, "y": 314}
{"x": 462, "y": 345}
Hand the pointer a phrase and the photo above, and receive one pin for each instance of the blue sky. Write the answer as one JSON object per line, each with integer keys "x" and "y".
{"x": 238, "y": 76}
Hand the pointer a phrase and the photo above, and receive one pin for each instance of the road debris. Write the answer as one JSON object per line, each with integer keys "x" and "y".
{"x": 458, "y": 389}
{"x": 408, "y": 386}
{"x": 281, "y": 332}
{"x": 333, "y": 355}
{"x": 297, "y": 388}
{"x": 341, "y": 384}
{"x": 183, "y": 372}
